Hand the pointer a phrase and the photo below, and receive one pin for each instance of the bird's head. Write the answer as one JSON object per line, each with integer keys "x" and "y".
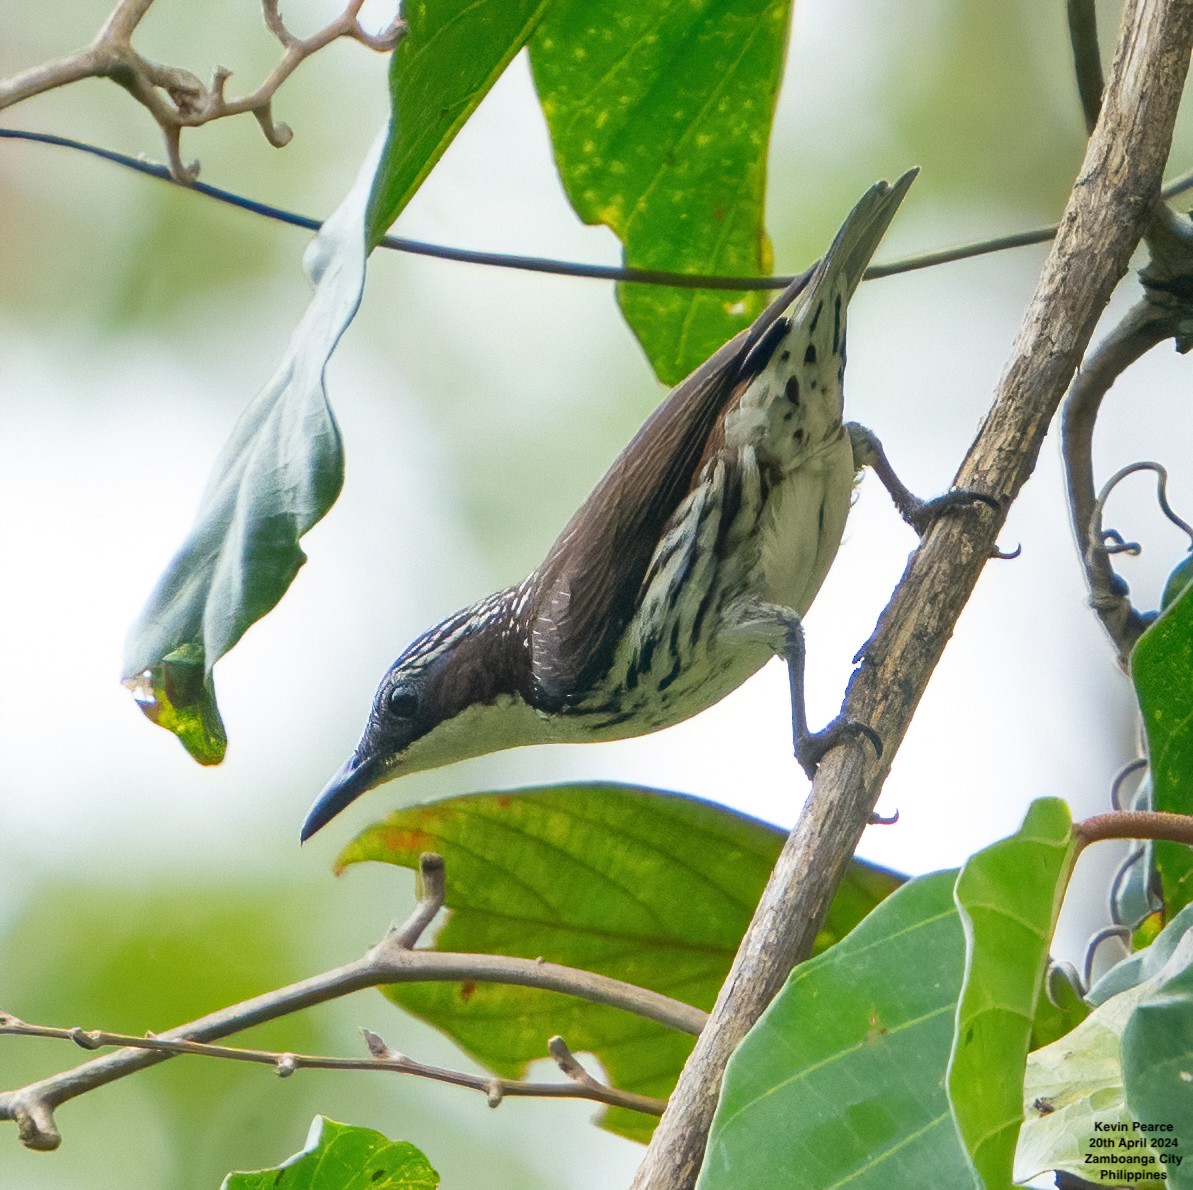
{"x": 456, "y": 692}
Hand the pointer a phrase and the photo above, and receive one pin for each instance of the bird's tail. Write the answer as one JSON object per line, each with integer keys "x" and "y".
{"x": 841, "y": 268}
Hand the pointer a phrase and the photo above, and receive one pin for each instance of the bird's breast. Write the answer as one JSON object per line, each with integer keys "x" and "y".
{"x": 802, "y": 523}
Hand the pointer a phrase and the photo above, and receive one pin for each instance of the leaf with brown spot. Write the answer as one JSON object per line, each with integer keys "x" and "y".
{"x": 649, "y": 887}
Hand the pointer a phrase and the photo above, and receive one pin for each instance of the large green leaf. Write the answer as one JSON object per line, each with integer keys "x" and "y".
{"x": 1073, "y": 1094}
{"x": 1162, "y": 670}
{"x": 344, "y": 1157}
{"x": 1009, "y": 896}
{"x": 452, "y": 53}
{"x": 1157, "y": 1050}
{"x": 278, "y": 474}
{"x": 660, "y": 115}
{"x": 653, "y": 888}
{"x": 840, "y": 1083}
{"x": 1087, "y": 1095}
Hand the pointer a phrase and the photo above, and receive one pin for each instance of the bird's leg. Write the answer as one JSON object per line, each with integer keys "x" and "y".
{"x": 812, "y": 746}
{"x": 783, "y": 629}
{"x": 919, "y": 514}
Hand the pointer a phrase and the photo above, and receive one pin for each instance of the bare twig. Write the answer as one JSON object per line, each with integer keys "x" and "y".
{"x": 567, "y": 268}
{"x": 1107, "y": 212}
{"x": 176, "y": 98}
{"x": 390, "y": 961}
{"x": 381, "y": 1058}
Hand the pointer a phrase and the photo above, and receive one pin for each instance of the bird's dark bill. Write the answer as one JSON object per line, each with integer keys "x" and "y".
{"x": 350, "y": 781}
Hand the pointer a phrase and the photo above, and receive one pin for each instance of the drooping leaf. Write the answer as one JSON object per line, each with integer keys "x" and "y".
{"x": 1009, "y": 896}
{"x": 841, "y": 1080}
{"x": 278, "y": 474}
{"x": 344, "y": 1157}
{"x": 652, "y": 888}
{"x": 1162, "y": 670}
{"x": 452, "y": 53}
{"x": 660, "y": 115}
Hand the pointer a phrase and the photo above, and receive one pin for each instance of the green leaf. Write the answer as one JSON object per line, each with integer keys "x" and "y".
{"x": 660, "y": 115}
{"x": 343, "y": 1157}
{"x": 452, "y": 53}
{"x": 1157, "y": 1051}
{"x": 1144, "y": 965}
{"x": 1178, "y": 582}
{"x": 1053, "y": 1020}
{"x": 841, "y": 1080}
{"x": 1127, "y": 1063}
{"x": 278, "y": 474}
{"x": 1009, "y": 896}
{"x": 1072, "y": 1089}
{"x": 652, "y": 888}
{"x": 1162, "y": 670}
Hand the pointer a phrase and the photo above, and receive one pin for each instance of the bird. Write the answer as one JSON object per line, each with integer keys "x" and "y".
{"x": 687, "y": 568}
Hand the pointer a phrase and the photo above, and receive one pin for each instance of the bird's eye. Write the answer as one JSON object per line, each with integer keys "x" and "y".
{"x": 402, "y": 704}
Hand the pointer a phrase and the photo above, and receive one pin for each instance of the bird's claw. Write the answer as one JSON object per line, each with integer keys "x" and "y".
{"x": 924, "y": 512}
{"x": 810, "y": 749}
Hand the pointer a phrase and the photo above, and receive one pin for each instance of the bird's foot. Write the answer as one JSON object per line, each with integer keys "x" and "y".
{"x": 812, "y": 746}
{"x": 920, "y": 514}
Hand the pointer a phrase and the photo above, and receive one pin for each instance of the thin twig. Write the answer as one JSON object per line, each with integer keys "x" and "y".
{"x": 565, "y": 268}
{"x": 175, "y": 98}
{"x": 390, "y": 961}
{"x": 381, "y": 1058}
{"x": 1110, "y": 206}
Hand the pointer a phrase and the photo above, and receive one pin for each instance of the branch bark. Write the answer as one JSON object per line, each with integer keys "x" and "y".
{"x": 1107, "y": 212}
{"x": 391, "y": 961}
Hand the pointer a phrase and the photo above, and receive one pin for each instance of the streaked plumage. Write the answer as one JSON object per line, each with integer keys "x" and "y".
{"x": 731, "y": 497}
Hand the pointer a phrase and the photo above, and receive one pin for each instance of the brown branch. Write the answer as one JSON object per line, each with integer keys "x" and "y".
{"x": 580, "y": 1085}
{"x": 390, "y": 961}
{"x": 1107, "y": 212}
{"x": 176, "y": 98}
{"x": 1135, "y": 824}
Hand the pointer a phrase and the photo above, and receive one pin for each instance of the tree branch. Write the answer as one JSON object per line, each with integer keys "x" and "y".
{"x": 1107, "y": 212}
{"x": 390, "y": 961}
{"x": 176, "y": 98}
{"x": 581, "y": 1084}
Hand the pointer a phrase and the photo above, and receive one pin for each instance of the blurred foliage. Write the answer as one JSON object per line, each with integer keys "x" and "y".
{"x": 131, "y": 958}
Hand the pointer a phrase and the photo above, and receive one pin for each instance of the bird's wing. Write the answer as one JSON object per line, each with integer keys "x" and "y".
{"x": 586, "y": 590}
{"x": 588, "y": 586}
